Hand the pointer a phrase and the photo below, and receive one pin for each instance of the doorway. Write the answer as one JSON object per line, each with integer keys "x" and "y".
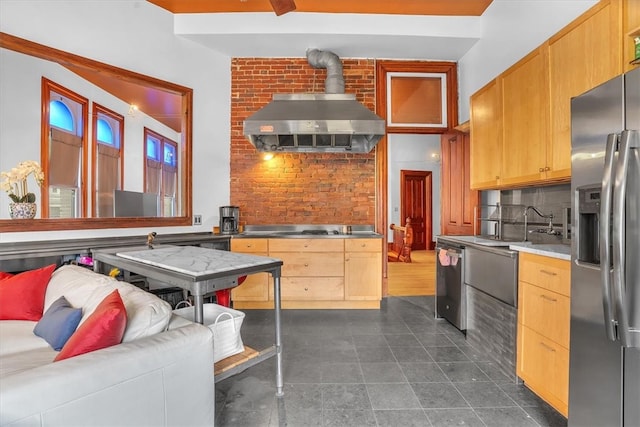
{"x": 416, "y": 205}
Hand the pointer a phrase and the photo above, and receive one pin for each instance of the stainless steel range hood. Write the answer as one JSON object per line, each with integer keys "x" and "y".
{"x": 316, "y": 122}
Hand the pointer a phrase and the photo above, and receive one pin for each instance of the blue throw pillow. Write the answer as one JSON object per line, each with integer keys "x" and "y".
{"x": 58, "y": 323}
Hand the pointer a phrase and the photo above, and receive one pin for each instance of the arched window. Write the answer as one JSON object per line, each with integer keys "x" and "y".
{"x": 60, "y": 116}
{"x": 107, "y": 159}
{"x": 104, "y": 132}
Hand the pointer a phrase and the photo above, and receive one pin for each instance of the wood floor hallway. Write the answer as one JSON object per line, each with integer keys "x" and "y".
{"x": 417, "y": 278}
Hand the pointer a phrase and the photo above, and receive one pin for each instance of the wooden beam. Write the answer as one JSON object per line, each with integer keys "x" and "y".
{"x": 280, "y": 7}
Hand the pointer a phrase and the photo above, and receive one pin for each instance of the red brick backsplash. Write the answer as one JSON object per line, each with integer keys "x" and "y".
{"x": 298, "y": 188}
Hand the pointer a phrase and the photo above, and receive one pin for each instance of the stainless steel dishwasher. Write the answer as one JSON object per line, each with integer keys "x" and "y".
{"x": 491, "y": 276}
{"x": 451, "y": 300}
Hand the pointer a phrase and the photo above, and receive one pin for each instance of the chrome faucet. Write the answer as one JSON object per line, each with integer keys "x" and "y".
{"x": 549, "y": 230}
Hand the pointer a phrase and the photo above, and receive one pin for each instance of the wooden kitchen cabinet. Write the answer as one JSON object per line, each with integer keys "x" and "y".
{"x": 525, "y": 118}
{"x": 363, "y": 270}
{"x": 544, "y": 307}
{"x": 256, "y": 286}
{"x": 486, "y": 137}
{"x": 317, "y": 273}
{"x": 583, "y": 55}
{"x": 312, "y": 270}
{"x": 458, "y": 201}
{"x": 631, "y": 30}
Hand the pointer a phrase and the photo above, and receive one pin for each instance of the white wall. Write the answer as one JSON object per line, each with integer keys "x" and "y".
{"x": 412, "y": 152}
{"x": 20, "y": 86}
{"x": 138, "y": 36}
{"x": 511, "y": 29}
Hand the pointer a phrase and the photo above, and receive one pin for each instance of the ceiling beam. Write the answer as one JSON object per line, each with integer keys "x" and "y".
{"x": 280, "y": 7}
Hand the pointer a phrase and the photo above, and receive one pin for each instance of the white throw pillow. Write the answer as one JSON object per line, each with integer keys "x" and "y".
{"x": 146, "y": 313}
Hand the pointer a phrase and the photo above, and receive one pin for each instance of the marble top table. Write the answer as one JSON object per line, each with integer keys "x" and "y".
{"x": 200, "y": 271}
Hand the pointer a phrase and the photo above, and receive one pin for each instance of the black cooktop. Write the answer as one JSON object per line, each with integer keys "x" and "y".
{"x": 315, "y": 232}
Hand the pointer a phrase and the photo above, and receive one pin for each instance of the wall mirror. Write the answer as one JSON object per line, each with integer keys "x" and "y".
{"x": 145, "y": 98}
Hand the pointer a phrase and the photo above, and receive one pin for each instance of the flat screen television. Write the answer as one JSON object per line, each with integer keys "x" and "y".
{"x": 134, "y": 203}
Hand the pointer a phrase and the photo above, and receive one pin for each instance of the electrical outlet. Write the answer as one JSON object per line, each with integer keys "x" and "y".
{"x": 197, "y": 220}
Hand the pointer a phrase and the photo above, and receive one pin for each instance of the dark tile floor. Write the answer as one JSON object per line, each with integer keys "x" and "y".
{"x": 397, "y": 366}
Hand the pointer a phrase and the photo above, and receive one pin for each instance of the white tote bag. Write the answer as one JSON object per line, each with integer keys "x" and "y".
{"x": 225, "y": 323}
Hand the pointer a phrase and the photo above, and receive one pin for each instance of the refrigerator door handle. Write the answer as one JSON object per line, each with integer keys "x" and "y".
{"x": 628, "y": 140}
{"x": 605, "y": 226}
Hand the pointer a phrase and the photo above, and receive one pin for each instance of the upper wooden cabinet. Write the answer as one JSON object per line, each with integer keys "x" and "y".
{"x": 581, "y": 56}
{"x": 525, "y": 118}
{"x": 458, "y": 201}
{"x": 486, "y": 137}
{"x": 534, "y": 119}
{"x": 631, "y": 28}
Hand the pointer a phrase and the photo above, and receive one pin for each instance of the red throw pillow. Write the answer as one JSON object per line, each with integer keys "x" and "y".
{"x": 103, "y": 328}
{"x": 22, "y": 295}
{"x": 4, "y": 275}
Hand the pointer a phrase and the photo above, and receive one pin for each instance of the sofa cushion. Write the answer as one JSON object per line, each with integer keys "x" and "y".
{"x": 146, "y": 313}
{"x": 4, "y": 275}
{"x": 24, "y": 361}
{"x": 58, "y": 323}
{"x": 104, "y": 328}
{"x": 22, "y": 295}
{"x": 17, "y": 336}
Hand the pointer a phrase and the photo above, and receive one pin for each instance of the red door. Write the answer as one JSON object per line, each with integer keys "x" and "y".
{"x": 415, "y": 203}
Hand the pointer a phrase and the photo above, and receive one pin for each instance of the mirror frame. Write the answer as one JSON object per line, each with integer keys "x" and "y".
{"x": 17, "y": 44}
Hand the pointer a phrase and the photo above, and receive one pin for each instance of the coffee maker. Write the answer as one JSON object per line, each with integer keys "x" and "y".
{"x": 229, "y": 219}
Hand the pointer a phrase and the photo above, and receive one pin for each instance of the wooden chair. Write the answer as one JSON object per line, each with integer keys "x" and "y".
{"x": 400, "y": 249}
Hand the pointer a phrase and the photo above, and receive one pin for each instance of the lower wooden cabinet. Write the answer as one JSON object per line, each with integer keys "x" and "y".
{"x": 363, "y": 270}
{"x": 316, "y": 273}
{"x": 544, "y": 314}
{"x": 256, "y": 286}
{"x": 543, "y": 365}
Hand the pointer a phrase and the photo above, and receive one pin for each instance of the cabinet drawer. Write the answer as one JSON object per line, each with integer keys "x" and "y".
{"x": 544, "y": 366}
{"x": 311, "y": 289}
{"x": 254, "y": 288}
{"x": 309, "y": 264}
{"x": 363, "y": 245}
{"x": 250, "y": 246}
{"x": 546, "y": 312}
{"x": 550, "y": 273}
{"x": 306, "y": 245}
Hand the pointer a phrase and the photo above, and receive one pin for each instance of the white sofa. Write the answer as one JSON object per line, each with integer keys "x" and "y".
{"x": 160, "y": 375}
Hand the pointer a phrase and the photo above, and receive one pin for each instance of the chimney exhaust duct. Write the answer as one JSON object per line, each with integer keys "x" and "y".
{"x": 332, "y": 121}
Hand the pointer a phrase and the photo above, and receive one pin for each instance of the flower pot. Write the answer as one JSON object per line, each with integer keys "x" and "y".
{"x": 22, "y": 210}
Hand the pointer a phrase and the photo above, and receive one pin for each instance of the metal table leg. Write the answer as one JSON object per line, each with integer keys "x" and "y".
{"x": 198, "y": 305}
{"x": 276, "y": 297}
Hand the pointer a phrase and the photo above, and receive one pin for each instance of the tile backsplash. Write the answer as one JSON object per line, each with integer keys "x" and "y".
{"x": 549, "y": 200}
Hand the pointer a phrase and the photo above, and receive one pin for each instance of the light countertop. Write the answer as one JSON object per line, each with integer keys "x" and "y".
{"x": 551, "y": 250}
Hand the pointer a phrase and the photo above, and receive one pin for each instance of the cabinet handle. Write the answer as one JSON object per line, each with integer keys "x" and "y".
{"x": 540, "y": 169}
{"x": 547, "y": 168}
{"x": 306, "y": 289}
{"x": 547, "y": 347}
{"x": 497, "y": 177}
{"x": 306, "y": 265}
{"x": 543, "y": 296}
{"x": 550, "y": 273}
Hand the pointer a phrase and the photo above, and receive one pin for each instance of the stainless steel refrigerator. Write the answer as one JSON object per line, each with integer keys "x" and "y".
{"x": 604, "y": 373}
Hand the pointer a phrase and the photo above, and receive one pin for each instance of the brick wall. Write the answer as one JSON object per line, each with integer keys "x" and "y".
{"x": 298, "y": 188}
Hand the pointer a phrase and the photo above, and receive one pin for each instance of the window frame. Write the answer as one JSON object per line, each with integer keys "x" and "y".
{"x": 119, "y": 120}
{"x": 163, "y": 141}
{"x": 47, "y": 87}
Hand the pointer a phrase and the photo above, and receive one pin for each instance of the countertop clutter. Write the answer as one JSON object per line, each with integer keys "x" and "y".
{"x": 309, "y": 231}
{"x": 559, "y": 251}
